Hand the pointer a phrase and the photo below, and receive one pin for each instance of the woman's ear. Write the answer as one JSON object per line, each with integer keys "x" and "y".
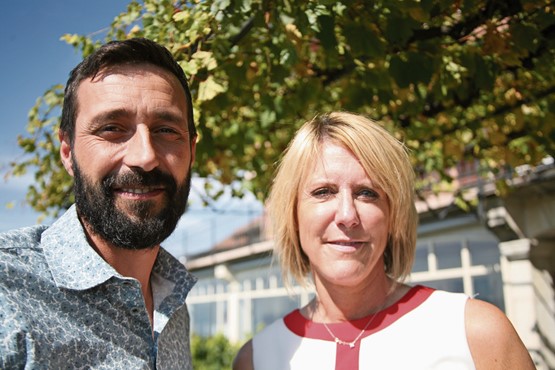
{"x": 65, "y": 151}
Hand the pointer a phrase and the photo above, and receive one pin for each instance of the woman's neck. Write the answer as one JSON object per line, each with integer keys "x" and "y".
{"x": 339, "y": 303}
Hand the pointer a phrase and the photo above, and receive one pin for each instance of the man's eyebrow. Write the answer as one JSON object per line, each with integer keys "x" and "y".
{"x": 110, "y": 115}
{"x": 168, "y": 116}
{"x": 115, "y": 114}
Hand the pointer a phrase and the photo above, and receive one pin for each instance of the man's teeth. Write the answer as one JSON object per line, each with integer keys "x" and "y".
{"x": 137, "y": 191}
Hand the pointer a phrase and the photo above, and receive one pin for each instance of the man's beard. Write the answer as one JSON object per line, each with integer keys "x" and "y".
{"x": 96, "y": 206}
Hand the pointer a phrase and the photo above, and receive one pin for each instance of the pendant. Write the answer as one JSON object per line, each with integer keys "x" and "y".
{"x": 342, "y": 342}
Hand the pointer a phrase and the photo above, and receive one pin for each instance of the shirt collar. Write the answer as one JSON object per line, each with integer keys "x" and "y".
{"x": 73, "y": 262}
{"x": 171, "y": 282}
{"x": 76, "y": 265}
{"x": 168, "y": 268}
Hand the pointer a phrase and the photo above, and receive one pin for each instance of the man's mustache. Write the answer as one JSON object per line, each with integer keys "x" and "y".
{"x": 138, "y": 177}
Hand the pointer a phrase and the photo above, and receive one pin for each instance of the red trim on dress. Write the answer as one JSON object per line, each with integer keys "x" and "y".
{"x": 346, "y": 357}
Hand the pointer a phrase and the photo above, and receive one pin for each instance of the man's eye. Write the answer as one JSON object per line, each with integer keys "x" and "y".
{"x": 167, "y": 130}
{"x": 109, "y": 128}
{"x": 111, "y": 132}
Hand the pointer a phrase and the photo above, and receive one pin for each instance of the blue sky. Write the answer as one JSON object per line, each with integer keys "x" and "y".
{"x": 34, "y": 59}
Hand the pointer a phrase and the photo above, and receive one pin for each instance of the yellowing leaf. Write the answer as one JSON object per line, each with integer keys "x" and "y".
{"x": 181, "y": 16}
{"x": 453, "y": 148}
{"x": 134, "y": 30}
{"x": 206, "y": 58}
{"x": 209, "y": 88}
{"x": 190, "y": 68}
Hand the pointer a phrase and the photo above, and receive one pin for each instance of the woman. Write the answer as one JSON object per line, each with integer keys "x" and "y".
{"x": 343, "y": 211}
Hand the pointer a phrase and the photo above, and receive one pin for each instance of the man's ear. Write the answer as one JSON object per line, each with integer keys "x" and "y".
{"x": 193, "y": 149}
{"x": 65, "y": 151}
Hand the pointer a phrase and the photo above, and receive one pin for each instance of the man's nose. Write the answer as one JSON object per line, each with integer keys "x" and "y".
{"x": 140, "y": 151}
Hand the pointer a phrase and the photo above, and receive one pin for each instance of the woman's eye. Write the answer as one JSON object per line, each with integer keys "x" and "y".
{"x": 369, "y": 194}
{"x": 321, "y": 193}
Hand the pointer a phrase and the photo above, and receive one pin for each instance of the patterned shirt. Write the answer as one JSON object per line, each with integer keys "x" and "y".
{"x": 62, "y": 306}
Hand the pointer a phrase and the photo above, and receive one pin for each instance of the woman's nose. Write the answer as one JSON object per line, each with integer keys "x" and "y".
{"x": 347, "y": 214}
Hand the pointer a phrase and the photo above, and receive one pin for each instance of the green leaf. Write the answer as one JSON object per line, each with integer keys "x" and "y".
{"x": 525, "y": 37}
{"x": 363, "y": 41}
{"x": 399, "y": 29}
{"x": 326, "y": 33}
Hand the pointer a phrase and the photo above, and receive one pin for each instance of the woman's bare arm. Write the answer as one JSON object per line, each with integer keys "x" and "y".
{"x": 493, "y": 341}
{"x": 243, "y": 360}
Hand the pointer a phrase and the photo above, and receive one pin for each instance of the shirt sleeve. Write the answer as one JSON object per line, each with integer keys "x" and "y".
{"x": 13, "y": 347}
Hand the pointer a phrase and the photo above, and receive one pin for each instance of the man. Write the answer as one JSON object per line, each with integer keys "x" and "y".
{"x": 95, "y": 289}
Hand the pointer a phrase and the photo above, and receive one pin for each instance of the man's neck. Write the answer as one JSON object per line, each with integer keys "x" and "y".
{"x": 136, "y": 264}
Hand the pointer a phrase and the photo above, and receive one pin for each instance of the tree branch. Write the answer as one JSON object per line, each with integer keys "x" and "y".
{"x": 247, "y": 26}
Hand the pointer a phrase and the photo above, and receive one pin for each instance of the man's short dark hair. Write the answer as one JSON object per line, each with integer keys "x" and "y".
{"x": 126, "y": 52}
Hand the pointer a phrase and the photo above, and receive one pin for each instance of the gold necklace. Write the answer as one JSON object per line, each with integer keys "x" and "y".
{"x": 353, "y": 343}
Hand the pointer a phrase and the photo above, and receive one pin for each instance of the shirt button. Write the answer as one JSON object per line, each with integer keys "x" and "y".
{"x": 135, "y": 310}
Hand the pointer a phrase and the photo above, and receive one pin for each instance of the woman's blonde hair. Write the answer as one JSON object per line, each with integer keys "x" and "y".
{"x": 380, "y": 154}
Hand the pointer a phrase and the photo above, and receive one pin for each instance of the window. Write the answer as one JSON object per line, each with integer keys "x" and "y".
{"x": 267, "y": 310}
{"x": 451, "y": 285}
{"x": 203, "y": 318}
{"x": 475, "y": 273}
{"x": 448, "y": 254}
{"x": 484, "y": 252}
{"x": 489, "y": 288}
{"x": 421, "y": 259}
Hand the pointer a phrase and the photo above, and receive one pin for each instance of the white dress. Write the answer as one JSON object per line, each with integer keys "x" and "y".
{"x": 423, "y": 330}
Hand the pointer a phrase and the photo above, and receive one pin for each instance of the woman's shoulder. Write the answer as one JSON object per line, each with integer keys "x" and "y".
{"x": 265, "y": 338}
{"x": 493, "y": 341}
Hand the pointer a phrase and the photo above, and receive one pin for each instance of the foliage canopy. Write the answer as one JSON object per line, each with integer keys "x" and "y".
{"x": 458, "y": 81}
